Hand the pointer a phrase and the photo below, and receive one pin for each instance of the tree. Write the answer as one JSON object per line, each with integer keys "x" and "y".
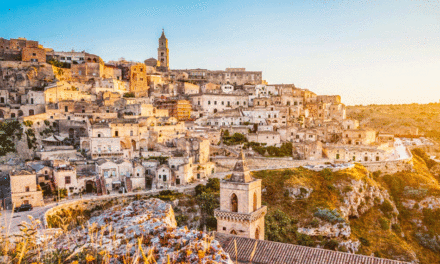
{"x": 208, "y": 202}
{"x": 128, "y": 95}
{"x": 213, "y": 184}
{"x": 200, "y": 188}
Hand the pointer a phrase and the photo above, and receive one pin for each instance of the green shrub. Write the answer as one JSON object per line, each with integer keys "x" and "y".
{"x": 365, "y": 242}
{"x": 331, "y": 216}
{"x": 129, "y": 95}
{"x": 386, "y": 206}
{"x": 384, "y": 223}
{"x": 396, "y": 228}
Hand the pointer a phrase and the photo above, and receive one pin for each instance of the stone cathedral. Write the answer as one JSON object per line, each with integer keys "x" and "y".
{"x": 240, "y": 210}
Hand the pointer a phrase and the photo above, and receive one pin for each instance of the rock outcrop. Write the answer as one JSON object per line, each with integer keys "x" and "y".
{"x": 144, "y": 228}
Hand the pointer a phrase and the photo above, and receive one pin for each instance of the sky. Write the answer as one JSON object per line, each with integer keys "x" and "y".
{"x": 369, "y": 52}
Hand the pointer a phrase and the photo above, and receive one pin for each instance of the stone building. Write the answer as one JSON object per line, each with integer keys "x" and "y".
{"x": 180, "y": 109}
{"x": 65, "y": 178}
{"x": 163, "y": 56}
{"x": 240, "y": 211}
{"x": 308, "y": 150}
{"x": 138, "y": 80}
{"x": 213, "y": 103}
{"x": 355, "y": 153}
{"x": 24, "y": 188}
{"x": 358, "y": 137}
{"x": 11, "y": 49}
{"x": 236, "y": 76}
{"x": 33, "y": 54}
{"x": 269, "y": 138}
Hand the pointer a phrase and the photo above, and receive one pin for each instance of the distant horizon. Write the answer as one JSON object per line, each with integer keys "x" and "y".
{"x": 376, "y": 52}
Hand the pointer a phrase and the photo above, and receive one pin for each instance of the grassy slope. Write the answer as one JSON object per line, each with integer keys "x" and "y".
{"x": 389, "y": 118}
{"x": 395, "y": 243}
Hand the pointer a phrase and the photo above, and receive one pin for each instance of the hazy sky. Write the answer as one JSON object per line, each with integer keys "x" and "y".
{"x": 366, "y": 51}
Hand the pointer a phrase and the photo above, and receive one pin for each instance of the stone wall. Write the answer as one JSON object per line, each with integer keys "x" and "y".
{"x": 256, "y": 163}
{"x": 389, "y": 167}
{"x": 225, "y": 164}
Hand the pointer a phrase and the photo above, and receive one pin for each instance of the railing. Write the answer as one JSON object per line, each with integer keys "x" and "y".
{"x": 240, "y": 216}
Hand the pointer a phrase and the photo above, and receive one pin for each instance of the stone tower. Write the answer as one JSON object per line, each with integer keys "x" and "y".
{"x": 240, "y": 210}
{"x": 163, "y": 53}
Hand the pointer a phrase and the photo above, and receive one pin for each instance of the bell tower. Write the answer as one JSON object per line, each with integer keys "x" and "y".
{"x": 240, "y": 211}
{"x": 163, "y": 53}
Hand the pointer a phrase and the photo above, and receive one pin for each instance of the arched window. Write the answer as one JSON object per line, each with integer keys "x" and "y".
{"x": 233, "y": 232}
{"x": 234, "y": 203}
{"x": 257, "y": 233}
{"x": 255, "y": 201}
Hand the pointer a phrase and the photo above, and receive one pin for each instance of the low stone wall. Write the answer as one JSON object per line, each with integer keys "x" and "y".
{"x": 389, "y": 167}
{"x": 225, "y": 164}
{"x": 256, "y": 163}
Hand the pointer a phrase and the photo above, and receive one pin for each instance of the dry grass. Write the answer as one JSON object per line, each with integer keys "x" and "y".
{"x": 30, "y": 246}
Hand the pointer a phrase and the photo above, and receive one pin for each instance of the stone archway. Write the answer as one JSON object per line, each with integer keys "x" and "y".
{"x": 90, "y": 185}
{"x": 234, "y": 203}
{"x": 133, "y": 144}
{"x": 71, "y": 133}
{"x": 85, "y": 145}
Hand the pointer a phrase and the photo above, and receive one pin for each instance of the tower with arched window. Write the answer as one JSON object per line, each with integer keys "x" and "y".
{"x": 163, "y": 59}
{"x": 240, "y": 211}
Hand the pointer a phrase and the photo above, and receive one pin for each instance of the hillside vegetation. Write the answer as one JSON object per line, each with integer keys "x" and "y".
{"x": 399, "y": 119}
{"x": 390, "y": 216}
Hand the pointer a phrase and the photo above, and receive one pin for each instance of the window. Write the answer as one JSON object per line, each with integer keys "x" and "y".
{"x": 337, "y": 156}
{"x": 66, "y": 109}
{"x": 69, "y": 58}
{"x": 34, "y": 54}
{"x": 255, "y": 201}
{"x": 67, "y": 180}
{"x": 215, "y": 102}
{"x": 27, "y": 188}
{"x": 164, "y": 178}
{"x": 234, "y": 203}
{"x": 209, "y": 102}
{"x": 99, "y": 135}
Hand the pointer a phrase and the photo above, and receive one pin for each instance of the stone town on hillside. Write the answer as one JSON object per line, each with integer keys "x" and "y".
{"x": 121, "y": 126}
{"x": 89, "y": 126}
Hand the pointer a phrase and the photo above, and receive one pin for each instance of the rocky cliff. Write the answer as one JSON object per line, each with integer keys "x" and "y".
{"x": 23, "y": 75}
{"x": 143, "y": 229}
{"x": 387, "y": 215}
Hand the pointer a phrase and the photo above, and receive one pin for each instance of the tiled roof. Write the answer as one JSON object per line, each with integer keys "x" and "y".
{"x": 268, "y": 252}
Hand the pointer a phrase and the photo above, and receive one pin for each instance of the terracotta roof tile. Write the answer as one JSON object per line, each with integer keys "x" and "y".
{"x": 268, "y": 252}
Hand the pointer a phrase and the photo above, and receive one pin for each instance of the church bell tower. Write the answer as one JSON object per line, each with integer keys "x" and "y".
{"x": 163, "y": 53}
{"x": 240, "y": 211}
